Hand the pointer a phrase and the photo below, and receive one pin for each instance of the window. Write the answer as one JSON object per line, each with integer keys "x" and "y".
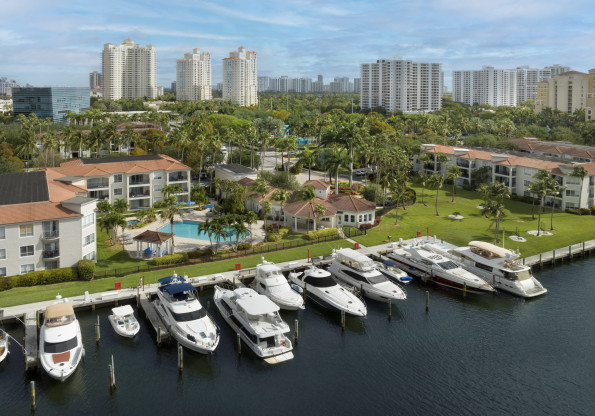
{"x": 51, "y": 265}
{"x": 346, "y": 218}
{"x": 158, "y": 174}
{"x": 2, "y": 271}
{"x": 27, "y": 251}
{"x": 157, "y": 188}
{"x": 88, "y": 239}
{"x": 90, "y": 256}
{"x": 118, "y": 192}
{"x": 88, "y": 220}
{"x": 118, "y": 178}
{"x": 26, "y": 230}
{"x": 353, "y": 218}
{"x": 26, "y": 268}
{"x": 2, "y": 233}
{"x": 2, "y": 254}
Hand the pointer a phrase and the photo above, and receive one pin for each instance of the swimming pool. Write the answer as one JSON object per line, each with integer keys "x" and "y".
{"x": 130, "y": 223}
{"x": 189, "y": 229}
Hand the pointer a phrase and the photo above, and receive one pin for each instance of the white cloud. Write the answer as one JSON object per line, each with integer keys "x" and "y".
{"x": 154, "y": 31}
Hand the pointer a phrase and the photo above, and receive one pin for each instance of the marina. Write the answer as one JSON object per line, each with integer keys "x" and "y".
{"x": 361, "y": 365}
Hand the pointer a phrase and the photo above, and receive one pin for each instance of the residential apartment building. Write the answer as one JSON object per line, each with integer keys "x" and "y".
{"x": 318, "y": 85}
{"x": 263, "y": 83}
{"x": 128, "y": 71}
{"x": 5, "y": 105}
{"x": 567, "y": 92}
{"x": 514, "y": 171}
{"x": 240, "y": 77}
{"x": 52, "y": 102}
{"x": 95, "y": 80}
{"x": 193, "y": 76}
{"x": 565, "y": 151}
{"x": 490, "y": 86}
{"x": 341, "y": 84}
{"x": 137, "y": 179}
{"x": 6, "y": 86}
{"x": 44, "y": 223}
{"x": 527, "y": 80}
{"x": 399, "y": 84}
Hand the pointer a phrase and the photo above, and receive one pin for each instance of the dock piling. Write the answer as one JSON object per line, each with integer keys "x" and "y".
{"x": 342, "y": 320}
{"x": 427, "y": 301}
{"x": 554, "y": 257}
{"x": 390, "y": 310}
{"x": 112, "y": 375}
{"x": 464, "y": 289}
{"x": 38, "y": 318}
{"x": 180, "y": 359}
{"x": 239, "y": 344}
{"x": 97, "y": 331}
{"x": 33, "y": 404}
{"x": 570, "y": 252}
{"x": 158, "y": 335}
{"x": 296, "y": 333}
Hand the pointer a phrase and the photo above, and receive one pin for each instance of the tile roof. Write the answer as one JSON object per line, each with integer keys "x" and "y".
{"x": 344, "y": 202}
{"x": 303, "y": 208}
{"x": 318, "y": 184}
{"x": 153, "y": 236}
{"x": 587, "y": 152}
{"x": 246, "y": 181}
{"x": 78, "y": 168}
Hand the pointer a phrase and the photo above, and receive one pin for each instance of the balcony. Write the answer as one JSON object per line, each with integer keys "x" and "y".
{"x": 50, "y": 235}
{"x": 50, "y": 254}
{"x": 139, "y": 204}
{"x": 101, "y": 195}
{"x": 501, "y": 170}
{"x": 139, "y": 192}
{"x": 97, "y": 183}
{"x": 177, "y": 177}
{"x": 139, "y": 180}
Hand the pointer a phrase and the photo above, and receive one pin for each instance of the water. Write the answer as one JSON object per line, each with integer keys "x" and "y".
{"x": 132, "y": 222}
{"x": 189, "y": 229}
{"x": 490, "y": 355}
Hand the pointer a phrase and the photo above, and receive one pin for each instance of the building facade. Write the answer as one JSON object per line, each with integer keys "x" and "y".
{"x": 399, "y": 84}
{"x": 193, "y": 76}
{"x": 6, "y": 86}
{"x": 44, "y": 224}
{"x": 137, "y": 179}
{"x": 128, "y": 71}
{"x": 240, "y": 77}
{"x": 52, "y": 102}
{"x": 95, "y": 80}
{"x": 567, "y": 92}
{"x": 489, "y": 86}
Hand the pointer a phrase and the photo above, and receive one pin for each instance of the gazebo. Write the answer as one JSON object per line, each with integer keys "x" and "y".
{"x": 158, "y": 243}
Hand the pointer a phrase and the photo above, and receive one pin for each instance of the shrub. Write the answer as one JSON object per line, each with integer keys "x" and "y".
{"x": 571, "y": 211}
{"x": 273, "y": 238}
{"x": 169, "y": 259}
{"x": 86, "y": 269}
{"x": 585, "y": 211}
{"x": 29, "y": 279}
{"x": 326, "y": 233}
{"x": 200, "y": 253}
{"x": 365, "y": 226}
{"x": 377, "y": 221}
{"x": 43, "y": 277}
{"x": 7, "y": 282}
{"x": 244, "y": 246}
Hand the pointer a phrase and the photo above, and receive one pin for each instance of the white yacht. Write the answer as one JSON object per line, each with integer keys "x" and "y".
{"x": 269, "y": 281}
{"x": 359, "y": 271}
{"x": 60, "y": 341}
{"x": 256, "y": 318}
{"x": 123, "y": 321}
{"x": 499, "y": 266}
{"x": 425, "y": 260}
{"x": 188, "y": 322}
{"x": 389, "y": 269}
{"x": 322, "y": 289}
{"x": 3, "y": 345}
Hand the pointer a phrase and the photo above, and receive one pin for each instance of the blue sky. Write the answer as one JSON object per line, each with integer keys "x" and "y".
{"x": 58, "y": 42}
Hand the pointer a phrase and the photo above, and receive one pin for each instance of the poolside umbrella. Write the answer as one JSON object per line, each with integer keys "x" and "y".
{"x": 210, "y": 206}
{"x": 189, "y": 203}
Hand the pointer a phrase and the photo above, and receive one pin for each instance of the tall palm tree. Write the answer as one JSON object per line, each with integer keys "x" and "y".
{"x": 453, "y": 173}
{"x": 334, "y": 158}
{"x": 281, "y": 196}
{"x": 319, "y": 211}
{"x": 436, "y": 181}
{"x": 579, "y": 171}
{"x": 308, "y": 158}
{"x": 27, "y": 147}
{"x": 169, "y": 209}
{"x": 554, "y": 190}
{"x": 307, "y": 193}
{"x": 423, "y": 178}
{"x": 240, "y": 230}
{"x": 250, "y": 218}
{"x": 494, "y": 209}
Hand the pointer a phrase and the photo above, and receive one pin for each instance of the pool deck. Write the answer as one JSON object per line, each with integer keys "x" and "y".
{"x": 184, "y": 244}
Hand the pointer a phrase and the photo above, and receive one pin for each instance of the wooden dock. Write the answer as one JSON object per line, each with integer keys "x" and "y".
{"x": 31, "y": 346}
{"x": 161, "y": 332}
{"x": 560, "y": 254}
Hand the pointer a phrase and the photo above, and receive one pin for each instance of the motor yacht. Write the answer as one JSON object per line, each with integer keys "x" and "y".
{"x": 499, "y": 266}
{"x": 189, "y": 323}
{"x": 423, "y": 259}
{"x": 389, "y": 269}
{"x": 359, "y": 271}
{"x": 269, "y": 281}
{"x": 319, "y": 286}
{"x": 3, "y": 345}
{"x": 123, "y": 321}
{"x": 256, "y": 318}
{"x": 60, "y": 341}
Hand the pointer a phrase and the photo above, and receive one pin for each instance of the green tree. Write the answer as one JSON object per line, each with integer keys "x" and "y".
{"x": 453, "y": 173}
{"x": 281, "y": 196}
{"x": 169, "y": 208}
{"x": 307, "y": 193}
{"x": 579, "y": 171}
{"x": 308, "y": 158}
{"x": 436, "y": 181}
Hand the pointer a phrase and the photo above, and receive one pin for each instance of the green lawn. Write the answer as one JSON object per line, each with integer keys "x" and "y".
{"x": 112, "y": 257}
{"x": 569, "y": 229}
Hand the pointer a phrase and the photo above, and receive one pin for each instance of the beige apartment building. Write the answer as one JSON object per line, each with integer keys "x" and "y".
{"x": 240, "y": 77}
{"x": 193, "y": 76}
{"x": 567, "y": 92}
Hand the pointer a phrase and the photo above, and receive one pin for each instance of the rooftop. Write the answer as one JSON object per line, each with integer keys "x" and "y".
{"x": 116, "y": 159}
{"x": 23, "y": 188}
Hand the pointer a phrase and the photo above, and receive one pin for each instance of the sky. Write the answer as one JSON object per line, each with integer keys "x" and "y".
{"x": 58, "y": 42}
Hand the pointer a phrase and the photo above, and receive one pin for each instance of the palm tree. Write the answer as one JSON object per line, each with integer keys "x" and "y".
{"x": 436, "y": 181}
{"x": 453, "y": 173}
{"x": 554, "y": 190}
{"x": 334, "y": 159}
{"x": 439, "y": 159}
{"x": 495, "y": 209}
{"x": 308, "y": 193}
{"x": 266, "y": 210}
{"x": 250, "y": 218}
{"x": 319, "y": 211}
{"x": 120, "y": 206}
{"x": 240, "y": 230}
{"x": 281, "y": 196}
{"x": 579, "y": 171}
{"x": 169, "y": 209}
{"x": 308, "y": 158}
{"x": 423, "y": 178}
{"x": 27, "y": 147}
{"x": 205, "y": 227}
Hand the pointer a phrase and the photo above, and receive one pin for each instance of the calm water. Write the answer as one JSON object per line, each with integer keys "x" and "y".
{"x": 189, "y": 229}
{"x": 492, "y": 355}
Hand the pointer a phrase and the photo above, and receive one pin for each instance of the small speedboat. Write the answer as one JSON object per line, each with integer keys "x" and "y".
{"x": 60, "y": 341}
{"x": 3, "y": 345}
{"x": 389, "y": 269}
{"x": 322, "y": 289}
{"x": 124, "y": 322}
{"x": 269, "y": 281}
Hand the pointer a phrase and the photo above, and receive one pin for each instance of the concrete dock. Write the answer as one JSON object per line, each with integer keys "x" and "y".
{"x": 31, "y": 344}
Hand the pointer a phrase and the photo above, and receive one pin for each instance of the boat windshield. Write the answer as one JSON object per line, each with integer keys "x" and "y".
{"x": 377, "y": 278}
{"x": 283, "y": 287}
{"x": 58, "y": 347}
{"x": 447, "y": 265}
{"x": 325, "y": 281}
{"x": 520, "y": 275}
{"x": 189, "y": 316}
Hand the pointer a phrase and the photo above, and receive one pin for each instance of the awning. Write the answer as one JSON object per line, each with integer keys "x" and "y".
{"x": 176, "y": 288}
{"x": 169, "y": 279}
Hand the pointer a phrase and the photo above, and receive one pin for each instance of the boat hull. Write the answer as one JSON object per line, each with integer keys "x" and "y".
{"x": 316, "y": 297}
{"x": 122, "y": 330}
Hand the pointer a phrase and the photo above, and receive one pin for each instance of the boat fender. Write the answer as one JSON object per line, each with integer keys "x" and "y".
{"x": 297, "y": 288}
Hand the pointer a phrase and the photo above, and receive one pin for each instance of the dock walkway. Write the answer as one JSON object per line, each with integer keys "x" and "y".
{"x": 31, "y": 352}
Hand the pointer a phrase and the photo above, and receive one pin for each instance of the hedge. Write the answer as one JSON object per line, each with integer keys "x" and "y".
{"x": 244, "y": 246}
{"x": 273, "y": 238}
{"x": 169, "y": 259}
{"x": 86, "y": 269}
{"x": 42, "y": 277}
{"x": 327, "y": 232}
{"x": 200, "y": 253}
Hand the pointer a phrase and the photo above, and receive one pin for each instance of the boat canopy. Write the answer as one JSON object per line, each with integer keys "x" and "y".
{"x": 390, "y": 263}
{"x": 489, "y": 250}
{"x": 170, "y": 279}
{"x": 178, "y": 288}
{"x": 123, "y": 310}
{"x": 59, "y": 310}
{"x": 257, "y": 305}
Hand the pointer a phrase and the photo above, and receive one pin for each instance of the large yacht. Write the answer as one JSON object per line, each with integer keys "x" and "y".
{"x": 190, "y": 324}
{"x": 269, "y": 281}
{"x": 319, "y": 286}
{"x": 498, "y": 266}
{"x": 359, "y": 271}
{"x": 256, "y": 318}
{"x": 60, "y": 341}
{"x": 424, "y": 259}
